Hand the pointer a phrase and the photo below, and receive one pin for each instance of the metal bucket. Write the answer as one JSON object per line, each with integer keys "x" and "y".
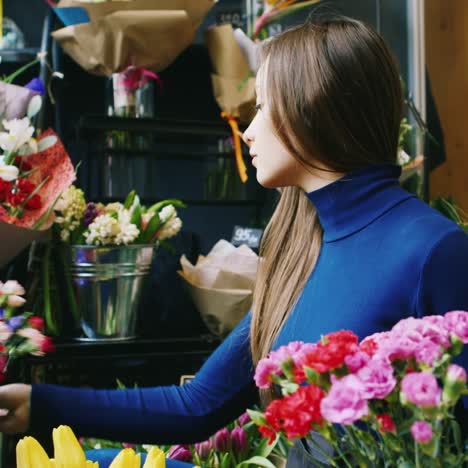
{"x": 107, "y": 283}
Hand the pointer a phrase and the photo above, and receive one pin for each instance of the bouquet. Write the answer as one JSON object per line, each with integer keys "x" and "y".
{"x": 80, "y": 223}
{"x": 20, "y": 334}
{"x": 387, "y": 401}
{"x": 68, "y": 453}
{"x": 33, "y": 171}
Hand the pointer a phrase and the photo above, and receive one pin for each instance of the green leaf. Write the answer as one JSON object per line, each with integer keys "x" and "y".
{"x": 147, "y": 235}
{"x": 265, "y": 449}
{"x": 170, "y": 201}
{"x": 46, "y": 142}
{"x": 167, "y": 246}
{"x": 258, "y": 461}
{"x": 129, "y": 200}
{"x": 457, "y": 435}
{"x": 136, "y": 216}
{"x": 225, "y": 460}
{"x": 257, "y": 417}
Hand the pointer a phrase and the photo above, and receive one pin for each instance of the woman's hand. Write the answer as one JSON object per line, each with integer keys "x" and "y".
{"x": 14, "y": 407}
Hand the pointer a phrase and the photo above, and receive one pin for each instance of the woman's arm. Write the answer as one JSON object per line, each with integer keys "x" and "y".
{"x": 221, "y": 391}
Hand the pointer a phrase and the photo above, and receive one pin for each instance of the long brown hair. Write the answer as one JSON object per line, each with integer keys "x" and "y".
{"x": 334, "y": 94}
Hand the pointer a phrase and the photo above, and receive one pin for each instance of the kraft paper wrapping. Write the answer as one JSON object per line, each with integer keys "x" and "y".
{"x": 221, "y": 285}
{"x": 233, "y": 83}
{"x": 141, "y": 33}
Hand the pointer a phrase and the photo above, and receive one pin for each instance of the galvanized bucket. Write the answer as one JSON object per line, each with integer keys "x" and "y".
{"x": 107, "y": 283}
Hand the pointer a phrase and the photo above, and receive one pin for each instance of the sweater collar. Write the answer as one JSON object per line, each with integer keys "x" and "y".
{"x": 351, "y": 203}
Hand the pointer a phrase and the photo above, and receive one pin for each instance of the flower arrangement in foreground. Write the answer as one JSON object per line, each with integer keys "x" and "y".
{"x": 82, "y": 223}
{"x": 20, "y": 334}
{"x": 69, "y": 454}
{"x": 387, "y": 401}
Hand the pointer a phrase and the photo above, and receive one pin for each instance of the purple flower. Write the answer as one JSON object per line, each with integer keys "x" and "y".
{"x": 222, "y": 440}
{"x": 37, "y": 85}
{"x": 345, "y": 402}
{"x": 16, "y": 322}
{"x": 239, "y": 440}
{"x": 243, "y": 419}
{"x": 180, "y": 452}
{"x": 421, "y": 431}
{"x": 203, "y": 449}
{"x": 90, "y": 214}
{"x": 421, "y": 389}
{"x": 2, "y": 312}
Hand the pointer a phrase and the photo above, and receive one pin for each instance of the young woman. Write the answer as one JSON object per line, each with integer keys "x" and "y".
{"x": 346, "y": 248}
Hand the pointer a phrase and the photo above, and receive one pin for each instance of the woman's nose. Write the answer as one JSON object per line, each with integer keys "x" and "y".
{"x": 247, "y": 137}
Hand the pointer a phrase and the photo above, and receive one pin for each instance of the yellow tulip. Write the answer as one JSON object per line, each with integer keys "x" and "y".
{"x": 155, "y": 459}
{"x": 67, "y": 450}
{"x": 30, "y": 454}
{"x": 126, "y": 458}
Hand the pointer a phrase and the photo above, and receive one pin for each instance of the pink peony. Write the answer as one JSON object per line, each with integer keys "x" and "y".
{"x": 264, "y": 371}
{"x": 421, "y": 389}
{"x": 456, "y": 323}
{"x": 356, "y": 361}
{"x": 421, "y": 431}
{"x": 345, "y": 402}
{"x": 378, "y": 379}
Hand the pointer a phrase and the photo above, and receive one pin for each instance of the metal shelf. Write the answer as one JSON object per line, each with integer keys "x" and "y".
{"x": 18, "y": 55}
{"x": 196, "y": 202}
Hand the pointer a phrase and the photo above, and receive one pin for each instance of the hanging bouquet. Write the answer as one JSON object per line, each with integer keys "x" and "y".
{"x": 80, "y": 223}
{"x": 34, "y": 169}
{"x": 387, "y": 401}
{"x": 20, "y": 334}
{"x": 68, "y": 453}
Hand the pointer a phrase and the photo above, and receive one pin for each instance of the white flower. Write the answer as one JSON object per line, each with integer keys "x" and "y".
{"x": 111, "y": 207}
{"x": 5, "y": 332}
{"x": 102, "y": 231}
{"x": 8, "y": 172}
{"x": 170, "y": 229}
{"x": 71, "y": 206}
{"x": 128, "y": 231}
{"x": 167, "y": 213}
{"x": 15, "y": 301}
{"x": 11, "y": 287}
{"x": 19, "y": 133}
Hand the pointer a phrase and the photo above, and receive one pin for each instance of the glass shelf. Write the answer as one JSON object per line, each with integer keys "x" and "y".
{"x": 18, "y": 55}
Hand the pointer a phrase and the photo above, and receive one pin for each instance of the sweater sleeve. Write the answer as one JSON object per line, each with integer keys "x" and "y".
{"x": 222, "y": 390}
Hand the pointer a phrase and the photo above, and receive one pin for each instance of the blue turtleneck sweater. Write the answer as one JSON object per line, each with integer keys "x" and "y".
{"x": 386, "y": 255}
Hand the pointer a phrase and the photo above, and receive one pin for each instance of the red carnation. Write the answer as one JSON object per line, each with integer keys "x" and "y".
{"x": 385, "y": 423}
{"x": 331, "y": 352}
{"x": 369, "y": 347}
{"x": 5, "y": 188}
{"x": 16, "y": 199}
{"x": 295, "y": 414}
{"x": 25, "y": 186}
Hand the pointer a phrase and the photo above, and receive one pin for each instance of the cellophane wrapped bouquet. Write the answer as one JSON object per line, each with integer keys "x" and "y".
{"x": 387, "y": 401}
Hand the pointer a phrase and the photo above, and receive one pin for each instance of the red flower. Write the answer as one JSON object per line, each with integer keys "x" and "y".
{"x": 2, "y": 377}
{"x": 16, "y": 199}
{"x": 331, "y": 352}
{"x": 47, "y": 345}
{"x": 36, "y": 322}
{"x": 25, "y": 186}
{"x": 268, "y": 433}
{"x": 5, "y": 188}
{"x": 369, "y": 347}
{"x": 385, "y": 423}
{"x": 34, "y": 203}
{"x": 295, "y": 414}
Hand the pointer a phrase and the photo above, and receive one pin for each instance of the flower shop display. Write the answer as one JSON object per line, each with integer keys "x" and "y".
{"x": 102, "y": 254}
{"x": 106, "y": 37}
{"x": 20, "y": 333}
{"x": 237, "y": 445}
{"x": 34, "y": 170}
{"x": 69, "y": 454}
{"x": 387, "y": 401}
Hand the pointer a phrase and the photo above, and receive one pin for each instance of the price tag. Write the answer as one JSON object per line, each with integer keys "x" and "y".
{"x": 245, "y": 235}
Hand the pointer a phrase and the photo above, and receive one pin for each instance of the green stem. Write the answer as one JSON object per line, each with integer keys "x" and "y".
{"x": 9, "y": 79}
{"x": 49, "y": 320}
{"x": 416, "y": 455}
{"x": 68, "y": 286}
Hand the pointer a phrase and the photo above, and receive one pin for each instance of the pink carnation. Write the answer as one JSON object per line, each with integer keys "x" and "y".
{"x": 356, "y": 361}
{"x": 421, "y": 389}
{"x": 378, "y": 379}
{"x": 456, "y": 373}
{"x": 37, "y": 340}
{"x": 421, "y": 431}
{"x": 420, "y": 330}
{"x": 428, "y": 353}
{"x": 264, "y": 371}
{"x": 345, "y": 402}
{"x": 456, "y": 323}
